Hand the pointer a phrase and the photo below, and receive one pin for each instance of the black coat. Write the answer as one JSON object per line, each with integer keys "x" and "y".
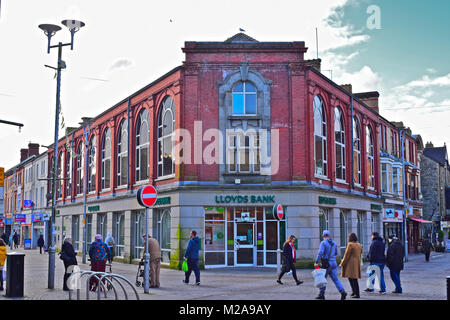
{"x": 40, "y": 242}
{"x": 5, "y": 238}
{"x": 427, "y": 245}
{"x": 395, "y": 254}
{"x": 15, "y": 238}
{"x": 287, "y": 254}
{"x": 68, "y": 255}
{"x": 376, "y": 252}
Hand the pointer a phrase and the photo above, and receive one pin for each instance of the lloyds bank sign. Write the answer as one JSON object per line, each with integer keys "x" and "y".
{"x": 245, "y": 199}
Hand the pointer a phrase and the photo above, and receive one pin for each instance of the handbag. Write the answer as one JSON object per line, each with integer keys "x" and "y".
{"x": 325, "y": 263}
{"x": 184, "y": 266}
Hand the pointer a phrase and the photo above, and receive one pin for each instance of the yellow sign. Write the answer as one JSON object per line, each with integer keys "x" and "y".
{"x": 2, "y": 177}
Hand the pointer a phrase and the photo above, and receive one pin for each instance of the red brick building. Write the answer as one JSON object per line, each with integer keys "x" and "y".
{"x": 240, "y": 126}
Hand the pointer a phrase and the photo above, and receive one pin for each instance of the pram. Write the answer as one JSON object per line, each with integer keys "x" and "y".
{"x": 140, "y": 274}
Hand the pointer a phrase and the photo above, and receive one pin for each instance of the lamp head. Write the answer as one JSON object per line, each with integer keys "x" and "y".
{"x": 73, "y": 26}
{"x": 49, "y": 29}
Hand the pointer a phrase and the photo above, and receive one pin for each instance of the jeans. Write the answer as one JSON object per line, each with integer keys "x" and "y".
{"x": 382, "y": 283}
{"x": 355, "y": 286}
{"x": 192, "y": 266}
{"x": 332, "y": 272}
{"x": 395, "y": 276}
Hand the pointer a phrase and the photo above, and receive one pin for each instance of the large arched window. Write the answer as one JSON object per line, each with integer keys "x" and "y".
{"x": 356, "y": 151}
{"x": 320, "y": 137}
{"x": 92, "y": 163}
{"x": 68, "y": 175}
{"x": 79, "y": 184}
{"x": 370, "y": 158}
{"x": 339, "y": 142}
{"x": 166, "y": 127}
{"x": 142, "y": 143}
{"x": 122, "y": 153}
{"x": 244, "y": 99}
{"x": 106, "y": 159}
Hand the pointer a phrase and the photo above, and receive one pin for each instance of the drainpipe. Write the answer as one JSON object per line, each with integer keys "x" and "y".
{"x": 405, "y": 232}
{"x": 128, "y": 143}
{"x": 351, "y": 133}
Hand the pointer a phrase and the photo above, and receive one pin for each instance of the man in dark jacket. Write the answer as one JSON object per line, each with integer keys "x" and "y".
{"x": 192, "y": 258}
{"x": 16, "y": 240}
{"x": 427, "y": 248}
{"x": 394, "y": 261}
{"x": 40, "y": 243}
{"x": 376, "y": 257}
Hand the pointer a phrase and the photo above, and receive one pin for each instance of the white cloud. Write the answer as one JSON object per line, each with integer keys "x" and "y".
{"x": 362, "y": 80}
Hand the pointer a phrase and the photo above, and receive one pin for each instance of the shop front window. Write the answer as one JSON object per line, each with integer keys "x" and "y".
{"x": 119, "y": 233}
{"x": 344, "y": 225}
{"x": 139, "y": 231}
{"x": 162, "y": 227}
{"x": 214, "y": 236}
{"x": 76, "y": 233}
{"x": 323, "y": 221}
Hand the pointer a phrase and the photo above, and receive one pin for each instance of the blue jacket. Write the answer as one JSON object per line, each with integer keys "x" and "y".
{"x": 324, "y": 250}
{"x": 99, "y": 251}
{"x": 376, "y": 252}
{"x": 192, "y": 248}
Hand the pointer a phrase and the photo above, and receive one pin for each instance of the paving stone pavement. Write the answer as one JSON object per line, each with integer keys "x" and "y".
{"x": 420, "y": 281}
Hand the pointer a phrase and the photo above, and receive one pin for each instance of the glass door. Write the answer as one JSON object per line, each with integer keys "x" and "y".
{"x": 244, "y": 242}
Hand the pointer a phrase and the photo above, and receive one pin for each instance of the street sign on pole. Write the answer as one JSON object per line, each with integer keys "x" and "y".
{"x": 146, "y": 197}
{"x": 278, "y": 214}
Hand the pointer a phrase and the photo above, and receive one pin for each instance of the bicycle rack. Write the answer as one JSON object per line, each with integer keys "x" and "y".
{"x": 100, "y": 276}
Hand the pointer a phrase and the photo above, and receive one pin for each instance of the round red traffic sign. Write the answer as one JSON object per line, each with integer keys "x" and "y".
{"x": 278, "y": 212}
{"x": 147, "y": 196}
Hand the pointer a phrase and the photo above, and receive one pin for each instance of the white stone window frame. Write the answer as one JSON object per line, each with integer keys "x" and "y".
{"x": 370, "y": 158}
{"x": 356, "y": 160}
{"x": 122, "y": 152}
{"x": 253, "y": 150}
{"x": 105, "y": 158}
{"x": 338, "y": 112}
{"x": 397, "y": 167}
{"x": 244, "y": 93}
{"x": 92, "y": 164}
{"x": 80, "y": 168}
{"x": 320, "y": 110}
{"x": 68, "y": 175}
{"x": 138, "y": 166}
{"x": 59, "y": 175}
{"x": 164, "y": 108}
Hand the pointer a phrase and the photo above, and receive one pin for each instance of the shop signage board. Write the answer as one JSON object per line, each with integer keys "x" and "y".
{"x": 93, "y": 208}
{"x": 392, "y": 215}
{"x": 327, "y": 200}
{"x": 36, "y": 217}
{"x": 245, "y": 198}
{"x": 28, "y": 204}
{"x": 2, "y": 177}
{"x": 376, "y": 207}
{"x": 20, "y": 218}
{"x": 162, "y": 201}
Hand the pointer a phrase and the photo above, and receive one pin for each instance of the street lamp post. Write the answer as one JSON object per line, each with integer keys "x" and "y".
{"x": 405, "y": 230}
{"x": 50, "y": 30}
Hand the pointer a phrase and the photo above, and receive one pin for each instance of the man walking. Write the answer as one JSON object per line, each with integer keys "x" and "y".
{"x": 16, "y": 240}
{"x": 328, "y": 252}
{"x": 427, "y": 248}
{"x": 40, "y": 243}
{"x": 394, "y": 261}
{"x": 192, "y": 258}
{"x": 376, "y": 257}
{"x": 155, "y": 260}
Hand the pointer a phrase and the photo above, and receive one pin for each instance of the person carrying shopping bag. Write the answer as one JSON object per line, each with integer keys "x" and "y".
{"x": 327, "y": 254}
{"x": 2, "y": 261}
{"x": 351, "y": 263}
{"x": 289, "y": 256}
{"x": 69, "y": 258}
{"x": 192, "y": 258}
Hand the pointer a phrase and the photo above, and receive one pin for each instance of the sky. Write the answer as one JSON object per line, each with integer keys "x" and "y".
{"x": 400, "y": 49}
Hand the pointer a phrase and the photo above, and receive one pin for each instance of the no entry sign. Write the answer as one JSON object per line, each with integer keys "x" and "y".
{"x": 278, "y": 212}
{"x": 147, "y": 196}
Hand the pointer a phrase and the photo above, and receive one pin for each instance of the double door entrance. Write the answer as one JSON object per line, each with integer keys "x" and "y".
{"x": 244, "y": 244}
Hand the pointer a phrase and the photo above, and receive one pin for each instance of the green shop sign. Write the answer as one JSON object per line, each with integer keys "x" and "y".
{"x": 326, "y": 200}
{"x": 94, "y": 208}
{"x": 162, "y": 201}
{"x": 245, "y": 199}
{"x": 376, "y": 207}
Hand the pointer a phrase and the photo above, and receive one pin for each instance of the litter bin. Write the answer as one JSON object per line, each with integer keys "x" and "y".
{"x": 15, "y": 274}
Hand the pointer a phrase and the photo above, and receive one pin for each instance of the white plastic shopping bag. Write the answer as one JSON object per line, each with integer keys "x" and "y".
{"x": 4, "y": 272}
{"x": 373, "y": 277}
{"x": 319, "y": 278}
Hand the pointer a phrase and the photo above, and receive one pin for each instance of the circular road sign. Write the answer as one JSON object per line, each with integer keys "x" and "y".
{"x": 146, "y": 196}
{"x": 278, "y": 212}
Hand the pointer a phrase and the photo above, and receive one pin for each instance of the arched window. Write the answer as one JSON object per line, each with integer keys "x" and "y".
{"x": 356, "y": 151}
{"x": 244, "y": 99}
{"x": 92, "y": 163}
{"x": 166, "y": 127}
{"x": 106, "y": 159}
{"x": 68, "y": 168}
{"x": 320, "y": 137}
{"x": 339, "y": 142}
{"x": 344, "y": 226}
{"x": 122, "y": 153}
{"x": 142, "y": 142}
{"x": 79, "y": 184}
{"x": 323, "y": 221}
{"x": 164, "y": 228}
{"x": 139, "y": 232}
{"x": 370, "y": 158}
{"x": 59, "y": 176}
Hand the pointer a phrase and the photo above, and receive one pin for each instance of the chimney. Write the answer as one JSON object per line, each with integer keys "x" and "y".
{"x": 347, "y": 87}
{"x": 370, "y": 98}
{"x": 429, "y": 145}
{"x": 33, "y": 149}
{"x": 315, "y": 63}
{"x": 23, "y": 154}
{"x": 69, "y": 130}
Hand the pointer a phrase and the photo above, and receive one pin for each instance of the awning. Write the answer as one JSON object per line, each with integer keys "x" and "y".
{"x": 421, "y": 220}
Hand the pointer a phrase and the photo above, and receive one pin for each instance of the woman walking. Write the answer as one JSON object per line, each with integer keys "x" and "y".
{"x": 2, "y": 261}
{"x": 351, "y": 263}
{"x": 69, "y": 257}
{"x": 289, "y": 255}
